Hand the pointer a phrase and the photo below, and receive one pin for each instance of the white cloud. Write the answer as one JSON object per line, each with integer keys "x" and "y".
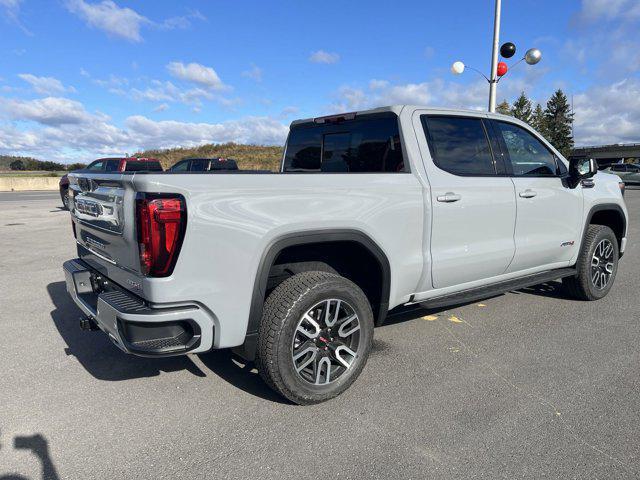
{"x": 431, "y": 93}
{"x": 196, "y": 73}
{"x": 608, "y": 114}
{"x": 321, "y": 56}
{"x": 254, "y": 73}
{"x": 378, "y": 84}
{"x": 51, "y": 111}
{"x": 170, "y": 133}
{"x": 599, "y": 10}
{"x": 288, "y": 112}
{"x": 161, "y": 108}
{"x": 45, "y": 85}
{"x": 606, "y": 44}
{"x": 11, "y": 11}
{"x": 124, "y": 22}
{"x": 181, "y": 22}
{"x": 62, "y": 129}
{"x": 108, "y": 16}
{"x": 165, "y": 91}
{"x": 112, "y": 81}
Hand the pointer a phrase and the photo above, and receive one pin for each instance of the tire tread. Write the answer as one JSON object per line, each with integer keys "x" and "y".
{"x": 275, "y": 313}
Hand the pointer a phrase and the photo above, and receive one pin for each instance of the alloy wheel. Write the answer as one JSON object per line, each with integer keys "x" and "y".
{"x": 325, "y": 343}
{"x": 602, "y": 264}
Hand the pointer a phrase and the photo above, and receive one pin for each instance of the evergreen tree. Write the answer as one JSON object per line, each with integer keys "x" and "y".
{"x": 558, "y": 119}
{"x": 522, "y": 108}
{"x": 539, "y": 121}
{"x": 504, "y": 108}
{"x": 16, "y": 165}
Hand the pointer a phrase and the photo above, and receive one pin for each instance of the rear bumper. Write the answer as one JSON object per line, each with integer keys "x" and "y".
{"x": 134, "y": 325}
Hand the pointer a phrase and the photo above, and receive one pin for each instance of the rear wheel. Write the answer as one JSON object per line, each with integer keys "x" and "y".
{"x": 315, "y": 336}
{"x": 597, "y": 265}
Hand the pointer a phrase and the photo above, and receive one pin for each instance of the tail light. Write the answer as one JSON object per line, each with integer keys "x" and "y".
{"x": 161, "y": 224}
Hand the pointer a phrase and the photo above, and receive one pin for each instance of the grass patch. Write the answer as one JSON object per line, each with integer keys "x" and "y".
{"x": 249, "y": 157}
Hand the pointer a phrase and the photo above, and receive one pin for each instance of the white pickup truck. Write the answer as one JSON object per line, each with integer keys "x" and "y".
{"x": 370, "y": 211}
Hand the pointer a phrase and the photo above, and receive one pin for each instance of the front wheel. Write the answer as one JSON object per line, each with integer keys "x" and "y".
{"x": 597, "y": 265}
{"x": 315, "y": 336}
{"x": 64, "y": 196}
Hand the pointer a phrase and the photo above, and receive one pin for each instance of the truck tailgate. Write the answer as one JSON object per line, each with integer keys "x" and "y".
{"x": 103, "y": 210}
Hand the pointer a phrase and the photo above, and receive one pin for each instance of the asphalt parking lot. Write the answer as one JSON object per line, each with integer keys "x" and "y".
{"x": 524, "y": 385}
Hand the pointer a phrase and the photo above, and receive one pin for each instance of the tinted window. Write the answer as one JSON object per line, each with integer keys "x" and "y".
{"x": 199, "y": 165}
{"x": 180, "y": 166}
{"x": 633, "y": 168}
{"x": 223, "y": 164}
{"x": 528, "y": 155}
{"x": 143, "y": 166}
{"x": 459, "y": 145}
{"x": 562, "y": 168}
{"x": 112, "y": 165}
{"x": 95, "y": 165}
{"x": 364, "y": 145}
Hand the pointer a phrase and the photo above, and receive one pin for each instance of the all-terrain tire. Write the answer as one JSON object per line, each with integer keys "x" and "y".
{"x": 582, "y": 285}
{"x": 282, "y": 312}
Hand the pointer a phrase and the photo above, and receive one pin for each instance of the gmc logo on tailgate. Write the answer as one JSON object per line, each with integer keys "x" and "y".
{"x": 89, "y": 208}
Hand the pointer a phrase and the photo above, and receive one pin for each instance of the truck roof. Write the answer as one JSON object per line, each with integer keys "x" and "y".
{"x": 397, "y": 109}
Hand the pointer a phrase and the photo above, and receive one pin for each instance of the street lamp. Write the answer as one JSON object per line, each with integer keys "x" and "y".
{"x": 499, "y": 68}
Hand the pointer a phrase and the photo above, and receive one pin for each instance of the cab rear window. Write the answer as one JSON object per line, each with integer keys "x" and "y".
{"x": 366, "y": 144}
{"x": 143, "y": 166}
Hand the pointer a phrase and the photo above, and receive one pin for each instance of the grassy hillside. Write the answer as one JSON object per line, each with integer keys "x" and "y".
{"x": 5, "y": 160}
{"x": 248, "y": 156}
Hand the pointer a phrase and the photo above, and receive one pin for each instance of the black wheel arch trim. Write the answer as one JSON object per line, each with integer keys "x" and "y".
{"x": 308, "y": 237}
{"x": 604, "y": 207}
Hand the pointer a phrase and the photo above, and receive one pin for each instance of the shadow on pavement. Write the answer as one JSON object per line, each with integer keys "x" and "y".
{"x": 412, "y": 312}
{"x": 239, "y": 373}
{"x": 403, "y": 314}
{"x": 105, "y": 361}
{"x": 549, "y": 289}
{"x": 39, "y": 446}
{"x": 97, "y": 354}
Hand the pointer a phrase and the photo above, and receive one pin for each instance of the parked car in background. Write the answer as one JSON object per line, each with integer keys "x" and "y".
{"x": 629, "y": 173}
{"x": 132, "y": 164}
{"x": 204, "y": 165}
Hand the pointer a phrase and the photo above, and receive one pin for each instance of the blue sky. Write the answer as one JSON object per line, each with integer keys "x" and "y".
{"x": 84, "y": 78}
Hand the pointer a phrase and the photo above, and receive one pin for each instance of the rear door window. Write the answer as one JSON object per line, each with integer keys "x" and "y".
{"x": 366, "y": 144}
{"x": 459, "y": 145}
{"x": 199, "y": 165}
{"x": 112, "y": 165}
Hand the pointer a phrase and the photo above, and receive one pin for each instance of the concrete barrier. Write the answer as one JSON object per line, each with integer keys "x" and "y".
{"x": 17, "y": 183}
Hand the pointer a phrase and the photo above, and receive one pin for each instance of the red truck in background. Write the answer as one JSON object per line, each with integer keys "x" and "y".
{"x": 129, "y": 164}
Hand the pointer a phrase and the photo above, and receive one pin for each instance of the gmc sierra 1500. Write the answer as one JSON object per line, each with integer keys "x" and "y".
{"x": 370, "y": 211}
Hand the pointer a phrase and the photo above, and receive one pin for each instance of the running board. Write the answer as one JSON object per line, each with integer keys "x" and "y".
{"x": 488, "y": 291}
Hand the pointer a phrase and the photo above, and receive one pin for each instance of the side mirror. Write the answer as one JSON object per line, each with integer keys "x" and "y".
{"x": 581, "y": 168}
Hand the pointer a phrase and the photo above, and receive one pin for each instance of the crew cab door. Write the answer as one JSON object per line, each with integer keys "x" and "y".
{"x": 473, "y": 210}
{"x": 549, "y": 213}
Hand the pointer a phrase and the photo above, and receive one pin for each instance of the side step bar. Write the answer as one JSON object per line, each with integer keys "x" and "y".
{"x": 488, "y": 291}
